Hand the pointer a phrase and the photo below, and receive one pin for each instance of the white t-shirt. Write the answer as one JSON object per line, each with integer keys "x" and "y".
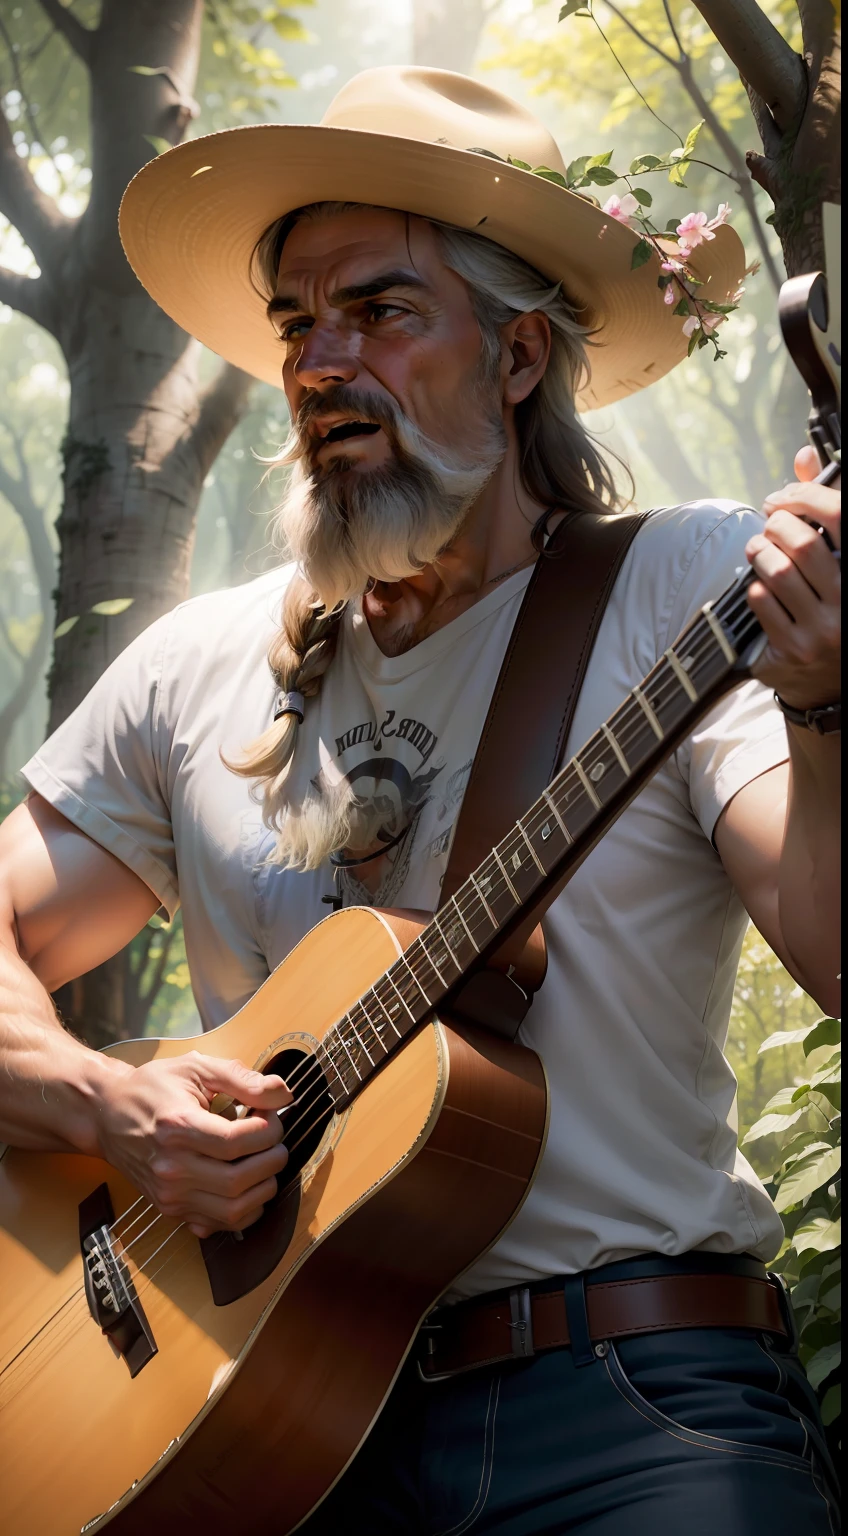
{"x": 643, "y": 943}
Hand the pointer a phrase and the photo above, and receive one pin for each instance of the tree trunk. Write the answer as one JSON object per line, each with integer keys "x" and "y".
{"x": 445, "y": 34}
{"x": 141, "y": 433}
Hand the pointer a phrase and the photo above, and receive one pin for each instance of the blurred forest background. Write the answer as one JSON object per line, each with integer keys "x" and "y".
{"x": 128, "y": 458}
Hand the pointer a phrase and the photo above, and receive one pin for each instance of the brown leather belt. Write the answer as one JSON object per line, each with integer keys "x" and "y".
{"x": 518, "y": 1324}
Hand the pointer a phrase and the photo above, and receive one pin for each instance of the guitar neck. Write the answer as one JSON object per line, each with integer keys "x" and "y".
{"x": 524, "y": 872}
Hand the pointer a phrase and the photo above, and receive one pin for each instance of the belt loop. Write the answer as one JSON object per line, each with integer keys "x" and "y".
{"x": 574, "y": 1288}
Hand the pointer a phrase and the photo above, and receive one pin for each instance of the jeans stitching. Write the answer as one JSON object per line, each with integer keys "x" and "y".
{"x": 488, "y": 1462}
{"x": 696, "y": 1438}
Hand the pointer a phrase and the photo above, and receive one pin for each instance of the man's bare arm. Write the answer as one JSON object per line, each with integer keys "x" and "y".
{"x": 66, "y": 904}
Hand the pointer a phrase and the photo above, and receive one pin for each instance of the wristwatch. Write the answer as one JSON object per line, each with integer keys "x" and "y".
{"x": 825, "y": 721}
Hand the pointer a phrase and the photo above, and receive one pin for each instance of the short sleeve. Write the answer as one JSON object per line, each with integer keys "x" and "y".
{"x": 745, "y": 735}
{"x": 105, "y": 768}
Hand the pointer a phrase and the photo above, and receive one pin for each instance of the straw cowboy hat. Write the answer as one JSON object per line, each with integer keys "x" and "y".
{"x": 406, "y": 138}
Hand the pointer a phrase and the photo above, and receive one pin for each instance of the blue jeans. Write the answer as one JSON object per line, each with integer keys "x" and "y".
{"x": 702, "y": 1432}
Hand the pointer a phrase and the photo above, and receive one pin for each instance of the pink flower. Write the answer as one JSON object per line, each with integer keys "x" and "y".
{"x": 706, "y": 323}
{"x": 691, "y": 324}
{"x": 671, "y": 264}
{"x": 721, "y": 217}
{"x": 621, "y": 208}
{"x": 709, "y": 322}
{"x": 693, "y": 230}
{"x": 669, "y": 295}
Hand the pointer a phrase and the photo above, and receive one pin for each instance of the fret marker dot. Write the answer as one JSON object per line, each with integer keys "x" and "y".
{"x": 597, "y": 772}
{"x": 546, "y": 831}
{"x": 516, "y": 861}
{"x": 688, "y": 663}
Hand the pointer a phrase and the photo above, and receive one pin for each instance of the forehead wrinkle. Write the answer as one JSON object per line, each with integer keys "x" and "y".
{"x": 398, "y": 277}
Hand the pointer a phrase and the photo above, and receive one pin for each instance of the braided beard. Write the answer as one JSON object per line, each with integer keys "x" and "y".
{"x": 347, "y": 526}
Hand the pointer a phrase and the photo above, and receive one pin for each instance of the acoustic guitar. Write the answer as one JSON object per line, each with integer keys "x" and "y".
{"x": 153, "y": 1382}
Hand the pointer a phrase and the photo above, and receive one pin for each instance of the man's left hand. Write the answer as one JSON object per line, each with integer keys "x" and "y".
{"x": 797, "y": 597}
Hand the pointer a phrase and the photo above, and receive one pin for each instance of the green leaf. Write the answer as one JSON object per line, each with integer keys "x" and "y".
{"x": 548, "y": 175}
{"x": 664, "y": 279}
{"x": 693, "y": 342}
{"x": 782, "y": 1101}
{"x": 161, "y": 146}
{"x": 644, "y": 163}
{"x": 521, "y": 164}
{"x": 825, "y": 1032}
{"x": 112, "y": 605}
{"x": 831, "y": 1406}
{"x": 142, "y": 69}
{"x": 603, "y": 159}
{"x": 575, "y": 8}
{"x": 783, "y": 1037}
{"x": 65, "y": 627}
{"x": 820, "y": 1235}
{"x": 808, "y": 1175}
{"x": 768, "y": 1125}
{"x": 831, "y": 1072}
{"x": 475, "y": 149}
{"x": 642, "y": 252}
{"x": 823, "y": 1362}
{"x": 800, "y": 1093}
{"x": 682, "y": 307}
{"x": 692, "y": 138}
{"x": 576, "y": 172}
{"x": 677, "y": 174}
{"x": 642, "y": 196}
{"x": 602, "y": 175}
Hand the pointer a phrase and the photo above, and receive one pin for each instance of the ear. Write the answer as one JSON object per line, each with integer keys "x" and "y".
{"x": 525, "y": 349}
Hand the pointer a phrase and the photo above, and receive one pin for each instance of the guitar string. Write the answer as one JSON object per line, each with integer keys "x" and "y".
{"x": 628, "y": 708}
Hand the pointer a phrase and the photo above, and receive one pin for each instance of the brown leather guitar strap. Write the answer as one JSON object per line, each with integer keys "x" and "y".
{"x": 536, "y": 693}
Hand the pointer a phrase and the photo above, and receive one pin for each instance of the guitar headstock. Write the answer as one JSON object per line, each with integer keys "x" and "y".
{"x": 810, "y": 310}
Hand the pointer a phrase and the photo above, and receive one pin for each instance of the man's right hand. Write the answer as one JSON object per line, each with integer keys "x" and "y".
{"x": 156, "y": 1127}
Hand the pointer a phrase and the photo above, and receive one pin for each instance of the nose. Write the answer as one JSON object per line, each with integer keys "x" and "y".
{"x": 325, "y": 358}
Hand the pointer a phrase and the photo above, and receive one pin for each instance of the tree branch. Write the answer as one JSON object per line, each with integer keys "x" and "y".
{"x": 221, "y": 407}
{"x": 79, "y": 37}
{"x": 764, "y": 58}
{"x": 25, "y": 294}
{"x": 35, "y": 215}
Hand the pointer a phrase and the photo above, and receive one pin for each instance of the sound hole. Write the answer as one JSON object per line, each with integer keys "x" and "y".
{"x": 237, "y": 1264}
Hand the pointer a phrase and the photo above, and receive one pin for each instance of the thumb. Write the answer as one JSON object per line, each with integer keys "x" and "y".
{"x": 807, "y": 463}
{"x": 258, "y": 1090}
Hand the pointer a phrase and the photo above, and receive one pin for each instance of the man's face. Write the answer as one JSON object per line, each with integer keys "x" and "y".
{"x": 364, "y": 300}
{"x": 396, "y": 425}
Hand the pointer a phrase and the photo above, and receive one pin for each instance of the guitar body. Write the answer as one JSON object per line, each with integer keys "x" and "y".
{"x": 248, "y": 1412}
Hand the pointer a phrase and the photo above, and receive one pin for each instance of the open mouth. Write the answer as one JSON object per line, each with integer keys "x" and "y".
{"x": 345, "y": 429}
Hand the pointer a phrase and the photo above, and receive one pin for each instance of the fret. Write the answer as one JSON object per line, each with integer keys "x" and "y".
{"x": 389, "y": 1019}
{"x": 718, "y": 632}
{"x": 648, "y": 713}
{"x": 371, "y": 1025}
{"x": 491, "y": 916}
{"x": 429, "y": 958}
{"x": 471, "y": 938}
{"x": 349, "y": 1018}
{"x": 562, "y": 827}
{"x": 341, "y": 1039}
{"x": 400, "y": 995}
{"x": 587, "y": 783}
{"x": 403, "y": 961}
{"x": 445, "y": 941}
{"x": 616, "y": 747}
{"x": 533, "y": 854}
{"x": 330, "y": 1063}
{"x": 681, "y": 674}
{"x": 501, "y": 866}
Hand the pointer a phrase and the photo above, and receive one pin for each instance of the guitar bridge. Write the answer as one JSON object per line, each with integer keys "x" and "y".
{"x": 109, "y": 1290}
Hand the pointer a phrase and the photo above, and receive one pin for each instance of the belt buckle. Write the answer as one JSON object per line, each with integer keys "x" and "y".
{"x": 784, "y": 1301}
{"x": 521, "y": 1323}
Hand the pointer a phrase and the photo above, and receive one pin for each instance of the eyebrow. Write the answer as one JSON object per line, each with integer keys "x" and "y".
{"x": 400, "y": 277}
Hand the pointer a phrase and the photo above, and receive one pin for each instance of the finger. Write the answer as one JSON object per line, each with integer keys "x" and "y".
{"x": 232, "y": 1215}
{"x": 808, "y": 552}
{"x": 178, "y": 1177}
{"x": 807, "y": 462}
{"x": 821, "y": 504}
{"x": 256, "y": 1089}
{"x": 785, "y": 582}
{"x": 213, "y": 1136}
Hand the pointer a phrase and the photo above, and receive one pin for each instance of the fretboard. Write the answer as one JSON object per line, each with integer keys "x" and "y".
{"x": 554, "y": 835}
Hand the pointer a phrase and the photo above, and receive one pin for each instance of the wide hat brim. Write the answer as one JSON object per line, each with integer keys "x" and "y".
{"x": 190, "y": 220}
